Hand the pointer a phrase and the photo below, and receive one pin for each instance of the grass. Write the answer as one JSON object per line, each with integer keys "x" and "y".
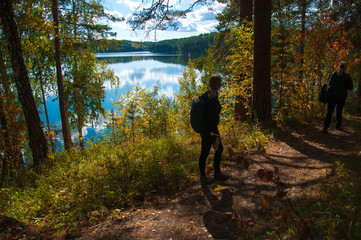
{"x": 83, "y": 187}
{"x": 337, "y": 214}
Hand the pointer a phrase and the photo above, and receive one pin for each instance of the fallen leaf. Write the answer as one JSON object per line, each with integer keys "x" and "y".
{"x": 244, "y": 163}
{"x": 220, "y": 188}
{"x": 286, "y": 215}
{"x": 303, "y": 232}
{"x": 265, "y": 176}
{"x": 268, "y": 177}
{"x": 261, "y": 173}
{"x": 240, "y": 224}
{"x": 280, "y": 193}
{"x": 266, "y": 201}
{"x": 230, "y": 152}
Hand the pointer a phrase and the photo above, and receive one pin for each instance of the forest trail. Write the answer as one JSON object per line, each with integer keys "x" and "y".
{"x": 299, "y": 157}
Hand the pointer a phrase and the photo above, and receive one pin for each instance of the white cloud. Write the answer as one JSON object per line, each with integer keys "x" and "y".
{"x": 168, "y": 92}
{"x": 200, "y": 20}
{"x": 114, "y": 13}
{"x": 132, "y": 5}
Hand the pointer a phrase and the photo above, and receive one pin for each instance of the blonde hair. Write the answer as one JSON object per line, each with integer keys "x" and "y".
{"x": 214, "y": 82}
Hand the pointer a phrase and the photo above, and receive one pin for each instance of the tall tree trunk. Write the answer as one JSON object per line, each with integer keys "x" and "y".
{"x": 241, "y": 103}
{"x": 77, "y": 95}
{"x": 302, "y": 8}
{"x": 37, "y": 140}
{"x": 13, "y": 153}
{"x": 62, "y": 103}
{"x": 262, "y": 60}
{"x": 5, "y": 134}
{"x": 50, "y": 135}
{"x": 245, "y": 10}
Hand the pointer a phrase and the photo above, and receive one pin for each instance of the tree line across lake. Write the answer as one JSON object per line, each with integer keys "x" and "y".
{"x": 192, "y": 44}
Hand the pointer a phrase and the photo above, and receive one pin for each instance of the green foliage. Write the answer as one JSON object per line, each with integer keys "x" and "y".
{"x": 84, "y": 186}
{"x": 238, "y": 88}
{"x": 297, "y": 76}
{"x": 337, "y": 214}
{"x": 189, "y": 89}
{"x": 140, "y": 113}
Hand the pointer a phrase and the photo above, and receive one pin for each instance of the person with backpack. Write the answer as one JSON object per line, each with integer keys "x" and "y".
{"x": 209, "y": 130}
{"x": 337, "y": 93}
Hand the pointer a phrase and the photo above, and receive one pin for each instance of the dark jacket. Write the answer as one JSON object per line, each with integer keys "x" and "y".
{"x": 213, "y": 109}
{"x": 339, "y": 85}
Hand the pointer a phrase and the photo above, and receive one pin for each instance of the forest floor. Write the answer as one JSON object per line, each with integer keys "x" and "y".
{"x": 295, "y": 162}
{"x": 299, "y": 158}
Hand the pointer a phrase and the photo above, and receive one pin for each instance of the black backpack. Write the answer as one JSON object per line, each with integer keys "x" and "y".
{"x": 323, "y": 94}
{"x": 198, "y": 114}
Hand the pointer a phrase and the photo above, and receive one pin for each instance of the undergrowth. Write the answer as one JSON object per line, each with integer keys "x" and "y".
{"x": 83, "y": 187}
{"x": 80, "y": 188}
{"x": 337, "y": 214}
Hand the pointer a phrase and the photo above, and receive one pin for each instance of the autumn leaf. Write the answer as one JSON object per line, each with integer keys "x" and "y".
{"x": 229, "y": 215}
{"x": 240, "y": 224}
{"x": 230, "y": 152}
{"x": 261, "y": 173}
{"x": 265, "y": 176}
{"x": 244, "y": 163}
{"x": 220, "y": 188}
{"x": 286, "y": 215}
{"x": 302, "y": 228}
{"x": 280, "y": 193}
{"x": 266, "y": 201}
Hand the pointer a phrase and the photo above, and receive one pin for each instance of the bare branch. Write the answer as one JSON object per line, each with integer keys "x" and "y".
{"x": 162, "y": 14}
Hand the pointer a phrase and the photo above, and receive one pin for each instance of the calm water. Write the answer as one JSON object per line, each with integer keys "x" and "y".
{"x": 142, "y": 69}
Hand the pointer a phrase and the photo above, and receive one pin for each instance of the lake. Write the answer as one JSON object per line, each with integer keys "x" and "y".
{"x": 144, "y": 69}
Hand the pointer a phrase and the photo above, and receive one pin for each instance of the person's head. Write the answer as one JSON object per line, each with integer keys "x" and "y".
{"x": 342, "y": 67}
{"x": 214, "y": 83}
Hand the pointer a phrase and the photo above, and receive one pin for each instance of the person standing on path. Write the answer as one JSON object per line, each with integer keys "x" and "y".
{"x": 210, "y": 136}
{"x": 337, "y": 93}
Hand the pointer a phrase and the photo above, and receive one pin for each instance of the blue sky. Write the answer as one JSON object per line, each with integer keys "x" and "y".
{"x": 201, "y": 20}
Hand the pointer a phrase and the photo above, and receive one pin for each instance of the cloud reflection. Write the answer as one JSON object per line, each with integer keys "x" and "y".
{"x": 142, "y": 73}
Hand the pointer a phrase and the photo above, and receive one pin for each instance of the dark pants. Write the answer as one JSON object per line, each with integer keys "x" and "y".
{"x": 332, "y": 103}
{"x": 207, "y": 141}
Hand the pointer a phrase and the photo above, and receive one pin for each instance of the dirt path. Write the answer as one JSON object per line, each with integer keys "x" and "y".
{"x": 300, "y": 159}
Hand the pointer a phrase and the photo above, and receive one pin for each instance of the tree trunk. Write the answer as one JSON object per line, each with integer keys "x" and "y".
{"x": 13, "y": 154}
{"x": 241, "y": 103}
{"x": 62, "y": 103}
{"x": 50, "y": 135}
{"x": 37, "y": 140}
{"x": 302, "y": 7}
{"x": 5, "y": 133}
{"x": 262, "y": 60}
{"x": 245, "y": 10}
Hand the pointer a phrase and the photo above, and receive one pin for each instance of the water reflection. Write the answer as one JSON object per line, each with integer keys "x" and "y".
{"x": 143, "y": 69}
{"x": 124, "y": 57}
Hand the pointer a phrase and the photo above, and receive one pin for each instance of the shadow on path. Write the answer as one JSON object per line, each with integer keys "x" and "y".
{"x": 215, "y": 220}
